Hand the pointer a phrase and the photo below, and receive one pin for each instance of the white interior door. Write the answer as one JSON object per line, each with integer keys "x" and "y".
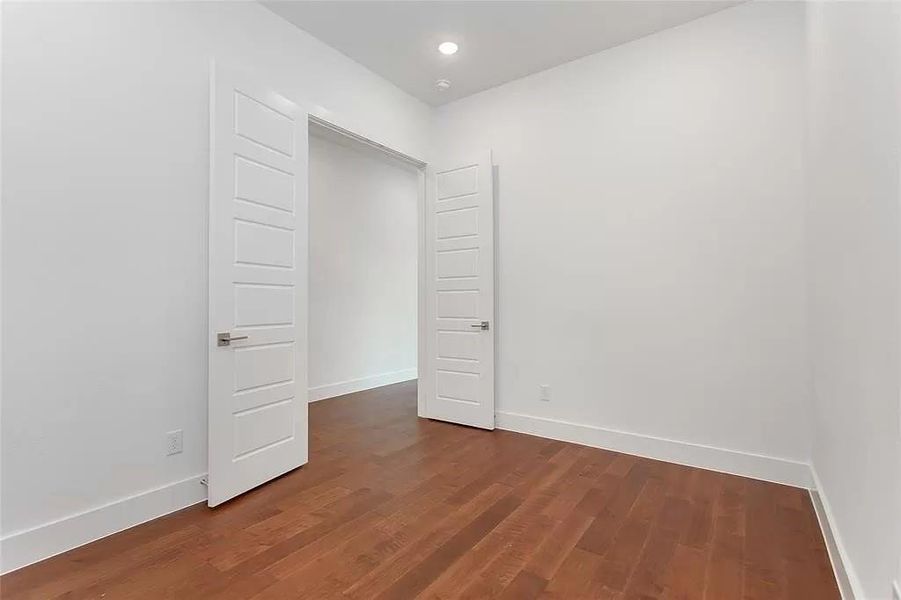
{"x": 458, "y": 376}
{"x": 258, "y": 286}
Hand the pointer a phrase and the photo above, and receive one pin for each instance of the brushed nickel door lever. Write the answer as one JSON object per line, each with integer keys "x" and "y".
{"x": 225, "y": 338}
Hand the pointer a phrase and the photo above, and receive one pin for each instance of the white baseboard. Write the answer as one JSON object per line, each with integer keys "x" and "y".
{"x": 22, "y": 548}
{"x": 757, "y": 466}
{"x": 848, "y": 582}
{"x": 358, "y": 385}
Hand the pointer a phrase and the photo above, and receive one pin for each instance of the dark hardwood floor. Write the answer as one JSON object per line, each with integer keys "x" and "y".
{"x": 391, "y": 506}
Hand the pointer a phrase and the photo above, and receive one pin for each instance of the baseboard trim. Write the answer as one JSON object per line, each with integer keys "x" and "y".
{"x": 848, "y": 582}
{"x": 22, "y": 548}
{"x": 757, "y": 466}
{"x": 358, "y": 385}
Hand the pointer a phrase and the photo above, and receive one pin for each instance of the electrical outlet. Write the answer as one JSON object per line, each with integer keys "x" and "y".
{"x": 174, "y": 442}
{"x": 544, "y": 393}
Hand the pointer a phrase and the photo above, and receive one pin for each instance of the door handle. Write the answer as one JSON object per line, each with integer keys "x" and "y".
{"x": 225, "y": 338}
{"x": 484, "y": 325}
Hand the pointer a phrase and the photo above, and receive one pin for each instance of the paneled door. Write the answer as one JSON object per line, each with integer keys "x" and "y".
{"x": 458, "y": 378}
{"x": 257, "y": 286}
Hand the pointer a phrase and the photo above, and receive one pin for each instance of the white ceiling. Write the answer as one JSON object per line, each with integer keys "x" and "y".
{"x": 499, "y": 40}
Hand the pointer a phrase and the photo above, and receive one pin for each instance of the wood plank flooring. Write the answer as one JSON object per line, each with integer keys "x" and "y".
{"x": 392, "y": 506}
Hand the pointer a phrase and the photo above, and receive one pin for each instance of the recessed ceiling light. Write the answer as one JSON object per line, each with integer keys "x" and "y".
{"x": 442, "y": 85}
{"x": 448, "y": 48}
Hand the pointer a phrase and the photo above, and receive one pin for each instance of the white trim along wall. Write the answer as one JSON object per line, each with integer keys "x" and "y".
{"x": 358, "y": 385}
{"x": 746, "y": 464}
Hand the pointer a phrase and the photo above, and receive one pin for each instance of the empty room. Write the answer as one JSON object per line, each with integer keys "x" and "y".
{"x": 575, "y": 300}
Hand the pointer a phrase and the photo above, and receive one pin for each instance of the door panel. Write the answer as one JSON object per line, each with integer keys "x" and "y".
{"x": 458, "y": 304}
{"x": 261, "y": 365}
{"x": 263, "y": 185}
{"x": 263, "y": 244}
{"x": 458, "y": 378}
{"x": 258, "y": 279}
{"x": 458, "y": 222}
{"x": 458, "y": 345}
{"x": 259, "y": 305}
{"x": 258, "y": 122}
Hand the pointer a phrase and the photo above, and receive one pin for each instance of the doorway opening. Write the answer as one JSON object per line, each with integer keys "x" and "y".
{"x": 364, "y": 211}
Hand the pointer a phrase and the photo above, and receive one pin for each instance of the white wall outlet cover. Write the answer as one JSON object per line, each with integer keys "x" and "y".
{"x": 174, "y": 442}
{"x": 544, "y": 393}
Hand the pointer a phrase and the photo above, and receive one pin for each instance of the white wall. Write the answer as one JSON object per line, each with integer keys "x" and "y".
{"x": 651, "y": 257}
{"x": 105, "y": 149}
{"x": 363, "y": 268}
{"x": 854, "y": 151}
